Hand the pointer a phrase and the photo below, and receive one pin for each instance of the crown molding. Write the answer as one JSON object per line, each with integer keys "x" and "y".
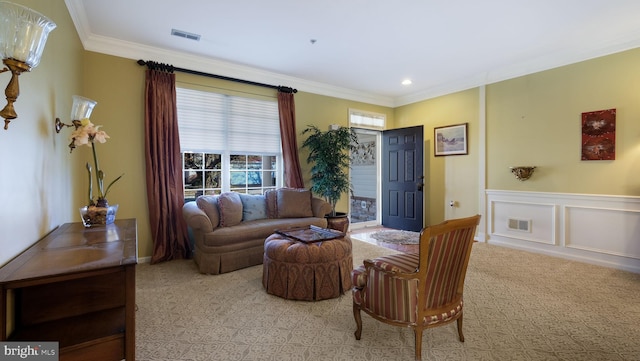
{"x": 562, "y": 57}
{"x": 136, "y": 51}
{"x": 129, "y": 50}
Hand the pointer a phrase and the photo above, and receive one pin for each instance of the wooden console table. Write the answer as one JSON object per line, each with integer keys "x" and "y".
{"x": 75, "y": 286}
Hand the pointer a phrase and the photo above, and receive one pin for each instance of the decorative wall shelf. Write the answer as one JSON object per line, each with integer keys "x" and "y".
{"x": 522, "y": 173}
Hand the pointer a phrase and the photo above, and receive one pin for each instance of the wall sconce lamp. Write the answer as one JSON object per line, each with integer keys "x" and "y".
{"x": 81, "y": 109}
{"x": 23, "y": 34}
{"x": 522, "y": 173}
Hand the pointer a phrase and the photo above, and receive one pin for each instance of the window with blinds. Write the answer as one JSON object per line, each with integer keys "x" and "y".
{"x": 228, "y": 143}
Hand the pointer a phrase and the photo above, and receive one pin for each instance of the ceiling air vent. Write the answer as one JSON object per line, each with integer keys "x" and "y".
{"x": 184, "y": 34}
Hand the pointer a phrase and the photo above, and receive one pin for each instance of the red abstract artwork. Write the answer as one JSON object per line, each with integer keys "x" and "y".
{"x": 599, "y": 135}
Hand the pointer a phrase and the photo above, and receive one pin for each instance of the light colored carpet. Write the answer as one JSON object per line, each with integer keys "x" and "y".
{"x": 518, "y": 306}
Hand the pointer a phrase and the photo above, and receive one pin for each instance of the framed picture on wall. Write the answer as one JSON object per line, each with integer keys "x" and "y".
{"x": 450, "y": 140}
{"x": 599, "y": 135}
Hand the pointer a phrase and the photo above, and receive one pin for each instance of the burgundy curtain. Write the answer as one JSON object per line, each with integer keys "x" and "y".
{"x": 287, "y": 111}
{"x": 164, "y": 168}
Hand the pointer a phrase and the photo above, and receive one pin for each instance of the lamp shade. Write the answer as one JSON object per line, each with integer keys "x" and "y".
{"x": 82, "y": 107}
{"x": 23, "y": 33}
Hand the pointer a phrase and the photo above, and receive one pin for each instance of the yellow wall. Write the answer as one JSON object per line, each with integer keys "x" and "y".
{"x": 36, "y": 182}
{"x": 118, "y": 86}
{"x": 323, "y": 111}
{"x": 533, "y": 119}
{"x": 447, "y": 178}
{"x": 536, "y": 120}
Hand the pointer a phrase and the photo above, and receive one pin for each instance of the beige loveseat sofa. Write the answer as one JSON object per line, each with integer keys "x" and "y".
{"x": 229, "y": 229}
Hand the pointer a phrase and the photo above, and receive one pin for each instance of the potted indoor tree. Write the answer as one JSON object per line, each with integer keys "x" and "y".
{"x": 329, "y": 156}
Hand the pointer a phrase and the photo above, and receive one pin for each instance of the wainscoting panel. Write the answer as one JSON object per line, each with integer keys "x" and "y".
{"x": 539, "y": 217}
{"x": 599, "y": 229}
{"x": 626, "y": 224}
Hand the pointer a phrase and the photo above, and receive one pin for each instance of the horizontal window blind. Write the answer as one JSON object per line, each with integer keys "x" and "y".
{"x": 212, "y": 122}
{"x": 359, "y": 118}
{"x": 254, "y": 125}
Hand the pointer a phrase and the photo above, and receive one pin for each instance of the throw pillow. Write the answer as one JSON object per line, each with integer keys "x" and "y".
{"x": 294, "y": 203}
{"x": 254, "y": 207}
{"x": 230, "y": 209}
{"x": 209, "y": 204}
{"x": 272, "y": 206}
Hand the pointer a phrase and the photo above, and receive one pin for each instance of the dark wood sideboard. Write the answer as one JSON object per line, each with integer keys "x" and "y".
{"x": 75, "y": 286}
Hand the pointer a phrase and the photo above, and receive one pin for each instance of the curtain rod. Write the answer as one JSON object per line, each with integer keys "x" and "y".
{"x": 170, "y": 68}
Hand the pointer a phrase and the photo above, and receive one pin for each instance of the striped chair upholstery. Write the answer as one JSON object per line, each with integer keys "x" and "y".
{"x": 389, "y": 297}
{"x": 418, "y": 290}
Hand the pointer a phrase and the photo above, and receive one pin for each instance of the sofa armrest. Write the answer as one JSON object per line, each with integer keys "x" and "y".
{"x": 196, "y": 218}
{"x": 320, "y": 207}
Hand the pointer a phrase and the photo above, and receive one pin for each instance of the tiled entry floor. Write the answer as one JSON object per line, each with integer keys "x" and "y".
{"x": 364, "y": 234}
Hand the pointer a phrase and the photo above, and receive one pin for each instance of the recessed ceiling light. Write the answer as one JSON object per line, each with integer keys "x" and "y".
{"x": 407, "y": 82}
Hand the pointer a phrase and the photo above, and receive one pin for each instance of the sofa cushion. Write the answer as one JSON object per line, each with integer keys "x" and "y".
{"x": 209, "y": 204}
{"x": 254, "y": 207}
{"x": 234, "y": 237}
{"x": 230, "y": 209}
{"x": 293, "y": 203}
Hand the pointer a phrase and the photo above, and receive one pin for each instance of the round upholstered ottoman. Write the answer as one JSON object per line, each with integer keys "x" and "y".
{"x": 307, "y": 271}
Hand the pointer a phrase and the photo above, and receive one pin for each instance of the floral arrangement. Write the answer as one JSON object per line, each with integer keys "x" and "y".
{"x": 88, "y": 134}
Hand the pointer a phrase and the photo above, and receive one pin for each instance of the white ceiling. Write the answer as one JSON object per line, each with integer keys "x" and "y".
{"x": 363, "y": 48}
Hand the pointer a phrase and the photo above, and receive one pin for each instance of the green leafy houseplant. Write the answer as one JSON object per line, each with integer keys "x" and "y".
{"x": 329, "y": 156}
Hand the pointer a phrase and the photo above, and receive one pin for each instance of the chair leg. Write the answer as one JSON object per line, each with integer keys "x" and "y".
{"x": 418, "y": 336}
{"x": 358, "y": 318}
{"x": 460, "y": 335}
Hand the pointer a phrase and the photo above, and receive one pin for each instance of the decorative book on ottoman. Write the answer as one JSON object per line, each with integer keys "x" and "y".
{"x": 310, "y": 234}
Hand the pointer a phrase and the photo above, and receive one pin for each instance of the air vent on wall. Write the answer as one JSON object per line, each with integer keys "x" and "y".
{"x": 522, "y": 225}
{"x": 184, "y": 34}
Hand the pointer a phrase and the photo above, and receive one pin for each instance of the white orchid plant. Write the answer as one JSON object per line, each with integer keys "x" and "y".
{"x": 88, "y": 134}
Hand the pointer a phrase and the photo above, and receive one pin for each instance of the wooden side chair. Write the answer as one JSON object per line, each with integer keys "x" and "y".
{"x": 418, "y": 290}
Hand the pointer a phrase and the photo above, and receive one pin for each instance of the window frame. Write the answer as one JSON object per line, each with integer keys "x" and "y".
{"x": 367, "y": 114}
{"x": 276, "y": 173}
